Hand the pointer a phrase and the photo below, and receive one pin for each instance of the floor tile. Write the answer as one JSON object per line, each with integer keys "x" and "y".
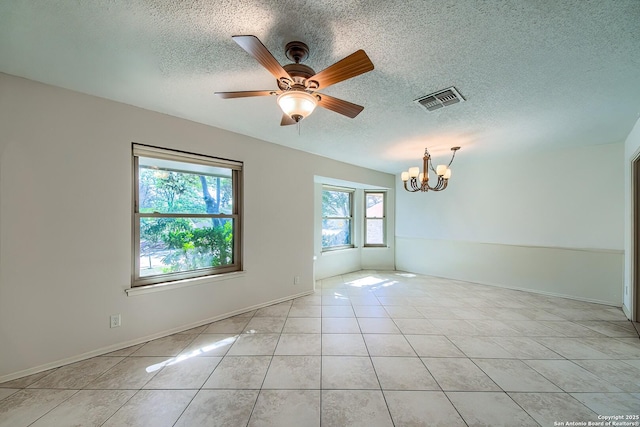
{"x": 403, "y": 312}
{"x": 547, "y": 408}
{"x": 86, "y": 408}
{"x": 152, "y": 408}
{"x": 275, "y": 310}
{"x": 131, "y": 373}
{"x": 295, "y": 325}
{"x": 480, "y": 347}
{"x": 194, "y": 331}
{"x": 189, "y": 373}
{"x": 382, "y": 344}
{"x": 459, "y": 374}
{"x": 572, "y": 348}
{"x": 415, "y": 326}
{"x": 515, "y": 375}
{"x": 433, "y": 346}
{"x": 570, "y": 329}
{"x": 610, "y": 403}
{"x": 616, "y": 372}
{"x": 26, "y": 406}
{"x": 233, "y": 325}
{"x": 616, "y": 348}
{"x": 293, "y": 372}
{"x": 335, "y": 299}
{"x": 307, "y": 300}
{"x": 571, "y": 377}
{"x": 531, "y": 328}
{"x": 6, "y": 392}
{"x": 609, "y": 329}
{"x": 421, "y": 408}
{"x": 354, "y": 408}
{"x": 493, "y": 328}
{"x": 305, "y": 311}
{"x": 454, "y": 327}
{"x": 388, "y": 345}
{"x": 340, "y": 325}
{"x": 372, "y": 325}
{"x": 254, "y": 345}
{"x": 403, "y": 373}
{"x": 207, "y": 345}
{"x": 348, "y": 372}
{"x": 167, "y": 346}
{"x": 26, "y": 381}
{"x": 525, "y": 348}
{"x": 370, "y": 311}
{"x": 219, "y": 408}
{"x": 286, "y": 408}
{"x": 364, "y": 300}
{"x": 490, "y": 409}
{"x": 343, "y": 345}
{"x": 239, "y": 372}
{"x": 337, "y": 311}
{"x": 77, "y": 375}
{"x": 264, "y": 325}
{"x": 299, "y": 345}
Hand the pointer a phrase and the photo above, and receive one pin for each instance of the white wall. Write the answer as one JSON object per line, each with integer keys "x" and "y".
{"x": 65, "y": 225}
{"x": 631, "y": 151}
{"x": 333, "y": 263}
{"x": 508, "y": 220}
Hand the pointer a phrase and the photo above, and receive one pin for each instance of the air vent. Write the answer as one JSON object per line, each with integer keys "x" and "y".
{"x": 441, "y": 98}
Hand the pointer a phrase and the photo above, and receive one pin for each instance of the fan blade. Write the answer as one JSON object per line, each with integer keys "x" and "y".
{"x": 340, "y": 106}
{"x": 246, "y": 93}
{"x": 255, "y": 48}
{"x": 353, "y": 65}
{"x": 286, "y": 120}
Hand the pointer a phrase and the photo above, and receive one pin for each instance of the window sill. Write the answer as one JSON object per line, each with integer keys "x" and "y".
{"x": 338, "y": 250}
{"x": 158, "y": 287}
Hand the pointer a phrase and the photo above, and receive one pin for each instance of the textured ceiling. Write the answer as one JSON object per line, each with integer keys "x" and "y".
{"x": 535, "y": 74}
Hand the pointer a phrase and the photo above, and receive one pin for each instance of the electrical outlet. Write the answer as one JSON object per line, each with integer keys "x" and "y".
{"x": 115, "y": 320}
{"x": 296, "y": 280}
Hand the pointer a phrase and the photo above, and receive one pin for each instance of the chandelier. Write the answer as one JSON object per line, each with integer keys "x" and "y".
{"x": 419, "y": 181}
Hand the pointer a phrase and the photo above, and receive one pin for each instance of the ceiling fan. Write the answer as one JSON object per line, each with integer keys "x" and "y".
{"x": 298, "y": 83}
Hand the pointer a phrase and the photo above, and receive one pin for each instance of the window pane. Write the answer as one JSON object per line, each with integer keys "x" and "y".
{"x": 375, "y": 232}
{"x": 336, "y": 203}
{"x": 375, "y": 205}
{"x": 174, "y": 191}
{"x": 170, "y": 245}
{"x": 336, "y": 232}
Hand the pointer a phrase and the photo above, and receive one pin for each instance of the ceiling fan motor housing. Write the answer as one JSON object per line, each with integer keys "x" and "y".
{"x": 299, "y": 73}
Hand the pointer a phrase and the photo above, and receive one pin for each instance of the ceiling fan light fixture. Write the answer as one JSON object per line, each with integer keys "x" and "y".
{"x": 297, "y": 104}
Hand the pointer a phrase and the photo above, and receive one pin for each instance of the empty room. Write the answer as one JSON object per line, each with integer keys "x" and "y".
{"x": 330, "y": 213}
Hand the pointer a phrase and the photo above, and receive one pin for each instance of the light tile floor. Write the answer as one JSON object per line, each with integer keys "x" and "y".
{"x": 367, "y": 349}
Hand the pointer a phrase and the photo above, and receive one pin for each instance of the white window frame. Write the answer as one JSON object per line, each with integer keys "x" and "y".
{"x": 140, "y": 150}
{"x": 351, "y": 193}
{"x": 383, "y": 218}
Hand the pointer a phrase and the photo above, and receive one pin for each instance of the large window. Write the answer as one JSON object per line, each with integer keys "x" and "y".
{"x": 374, "y": 218}
{"x": 337, "y": 218}
{"x": 186, "y": 215}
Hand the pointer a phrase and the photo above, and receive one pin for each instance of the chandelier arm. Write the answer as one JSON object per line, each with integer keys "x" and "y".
{"x": 452, "y": 157}
{"x": 438, "y": 186}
